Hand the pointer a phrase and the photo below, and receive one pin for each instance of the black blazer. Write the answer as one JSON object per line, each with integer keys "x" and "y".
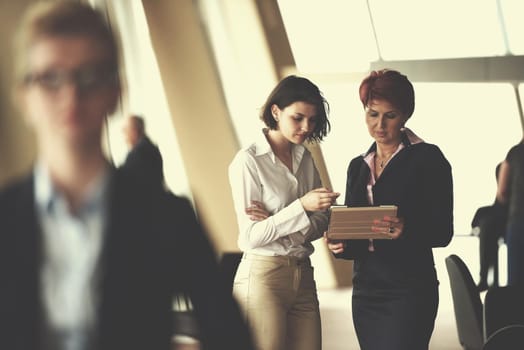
{"x": 154, "y": 248}
{"x": 418, "y": 180}
{"x": 145, "y": 162}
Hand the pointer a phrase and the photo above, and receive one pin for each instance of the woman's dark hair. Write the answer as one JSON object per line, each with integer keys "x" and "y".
{"x": 391, "y": 86}
{"x": 293, "y": 89}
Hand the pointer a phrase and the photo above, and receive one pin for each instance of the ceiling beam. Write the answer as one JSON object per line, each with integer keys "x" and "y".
{"x": 474, "y": 69}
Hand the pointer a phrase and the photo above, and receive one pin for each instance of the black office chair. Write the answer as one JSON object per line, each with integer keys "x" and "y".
{"x": 467, "y": 304}
{"x": 506, "y": 338}
{"x": 184, "y": 322}
{"x": 503, "y": 306}
{"x": 228, "y": 267}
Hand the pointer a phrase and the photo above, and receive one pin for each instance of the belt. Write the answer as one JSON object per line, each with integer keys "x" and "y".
{"x": 283, "y": 259}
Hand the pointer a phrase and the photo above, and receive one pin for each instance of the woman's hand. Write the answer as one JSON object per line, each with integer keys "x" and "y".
{"x": 257, "y": 211}
{"x": 336, "y": 246}
{"x": 319, "y": 199}
{"x": 390, "y": 225}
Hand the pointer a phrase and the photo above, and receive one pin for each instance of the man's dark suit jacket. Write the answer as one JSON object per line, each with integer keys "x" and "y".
{"x": 153, "y": 249}
{"x": 145, "y": 161}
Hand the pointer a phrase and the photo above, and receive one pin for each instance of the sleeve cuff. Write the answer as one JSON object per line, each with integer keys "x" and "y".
{"x": 292, "y": 219}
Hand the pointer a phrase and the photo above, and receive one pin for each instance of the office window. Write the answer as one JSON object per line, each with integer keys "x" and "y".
{"x": 243, "y": 61}
{"x": 330, "y": 36}
{"x": 348, "y": 136}
{"x": 512, "y": 12}
{"x": 414, "y": 29}
{"x": 475, "y": 125}
{"x": 144, "y": 95}
{"x": 337, "y": 36}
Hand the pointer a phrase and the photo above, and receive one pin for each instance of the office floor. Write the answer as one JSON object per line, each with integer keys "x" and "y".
{"x": 335, "y": 304}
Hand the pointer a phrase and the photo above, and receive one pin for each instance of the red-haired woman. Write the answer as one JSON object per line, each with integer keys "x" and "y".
{"x": 395, "y": 285}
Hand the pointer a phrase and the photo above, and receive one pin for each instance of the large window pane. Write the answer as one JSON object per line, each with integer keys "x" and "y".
{"x": 348, "y": 136}
{"x": 329, "y": 35}
{"x": 513, "y": 11}
{"x": 475, "y": 125}
{"x": 145, "y": 96}
{"x": 242, "y": 60}
{"x": 415, "y": 29}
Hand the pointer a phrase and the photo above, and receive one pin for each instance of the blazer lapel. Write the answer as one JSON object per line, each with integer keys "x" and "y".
{"x": 26, "y": 241}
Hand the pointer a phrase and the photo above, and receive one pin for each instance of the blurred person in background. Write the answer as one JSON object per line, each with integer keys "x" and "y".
{"x": 89, "y": 258}
{"x": 489, "y": 222}
{"x": 510, "y": 192}
{"x": 144, "y": 159}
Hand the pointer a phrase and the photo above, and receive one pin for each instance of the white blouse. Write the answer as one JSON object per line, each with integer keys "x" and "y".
{"x": 257, "y": 174}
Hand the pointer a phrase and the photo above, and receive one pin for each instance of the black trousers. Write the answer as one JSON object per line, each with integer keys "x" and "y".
{"x": 395, "y": 319}
{"x": 491, "y": 231}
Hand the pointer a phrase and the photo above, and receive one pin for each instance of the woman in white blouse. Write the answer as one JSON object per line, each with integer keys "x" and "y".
{"x": 281, "y": 208}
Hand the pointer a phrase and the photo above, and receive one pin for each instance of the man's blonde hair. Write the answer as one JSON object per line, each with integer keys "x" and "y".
{"x": 61, "y": 18}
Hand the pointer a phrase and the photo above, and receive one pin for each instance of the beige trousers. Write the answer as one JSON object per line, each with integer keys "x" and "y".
{"x": 278, "y": 297}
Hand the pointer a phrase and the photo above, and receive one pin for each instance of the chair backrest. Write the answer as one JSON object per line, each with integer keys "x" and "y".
{"x": 228, "y": 267}
{"x": 184, "y": 321}
{"x": 506, "y": 338}
{"x": 467, "y": 304}
{"x": 503, "y": 306}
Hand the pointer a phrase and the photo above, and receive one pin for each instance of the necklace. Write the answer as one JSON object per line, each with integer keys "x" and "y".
{"x": 382, "y": 161}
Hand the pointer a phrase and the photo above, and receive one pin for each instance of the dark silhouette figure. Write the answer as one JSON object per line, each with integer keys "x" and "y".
{"x": 491, "y": 221}
{"x": 144, "y": 159}
{"x": 510, "y": 190}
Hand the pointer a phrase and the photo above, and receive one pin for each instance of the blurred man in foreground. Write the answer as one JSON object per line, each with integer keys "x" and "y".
{"x": 89, "y": 259}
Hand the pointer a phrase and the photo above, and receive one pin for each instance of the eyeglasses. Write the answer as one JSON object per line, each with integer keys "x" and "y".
{"x": 87, "y": 79}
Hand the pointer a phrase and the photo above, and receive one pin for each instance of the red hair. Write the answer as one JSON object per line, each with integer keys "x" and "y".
{"x": 391, "y": 86}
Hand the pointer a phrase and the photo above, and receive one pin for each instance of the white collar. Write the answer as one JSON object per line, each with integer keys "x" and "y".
{"x": 263, "y": 147}
{"x": 46, "y": 192}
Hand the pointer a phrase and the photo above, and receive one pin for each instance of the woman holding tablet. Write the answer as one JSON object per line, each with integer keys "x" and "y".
{"x": 395, "y": 285}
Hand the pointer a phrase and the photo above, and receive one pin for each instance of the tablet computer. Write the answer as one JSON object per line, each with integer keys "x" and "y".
{"x": 356, "y": 222}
